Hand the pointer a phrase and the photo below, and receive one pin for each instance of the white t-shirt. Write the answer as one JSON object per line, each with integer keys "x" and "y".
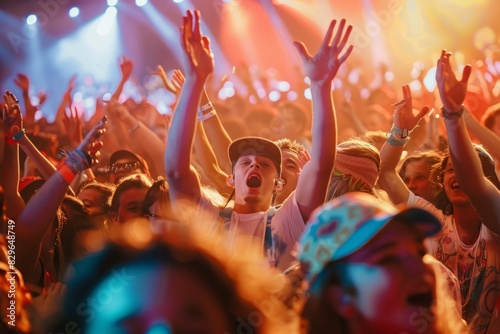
{"x": 246, "y": 229}
{"x": 476, "y": 266}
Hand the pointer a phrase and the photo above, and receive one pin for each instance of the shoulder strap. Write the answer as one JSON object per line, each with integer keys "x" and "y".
{"x": 226, "y": 214}
{"x": 268, "y": 236}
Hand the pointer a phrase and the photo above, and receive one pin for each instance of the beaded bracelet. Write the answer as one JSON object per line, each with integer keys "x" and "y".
{"x": 452, "y": 115}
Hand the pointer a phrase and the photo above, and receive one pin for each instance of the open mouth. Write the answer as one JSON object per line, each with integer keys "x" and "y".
{"x": 424, "y": 299}
{"x": 254, "y": 181}
{"x": 455, "y": 186}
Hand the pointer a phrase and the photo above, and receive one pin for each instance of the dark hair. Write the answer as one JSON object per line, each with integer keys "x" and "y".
{"x": 159, "y": 191}
{"x": 137, "y": 181}
{"x": 321, "y": 317}
{"x": 437, "y": 176}
{"x": 431, "y": 157}
{"x": 106, "y": 189}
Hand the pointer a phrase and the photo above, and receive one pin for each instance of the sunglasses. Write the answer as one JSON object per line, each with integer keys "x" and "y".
{"x": 124, "y": 167}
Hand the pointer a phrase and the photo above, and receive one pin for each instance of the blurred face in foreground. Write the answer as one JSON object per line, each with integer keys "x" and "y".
{"x": 154, "y": 298}
{"x": 387, "y": 287}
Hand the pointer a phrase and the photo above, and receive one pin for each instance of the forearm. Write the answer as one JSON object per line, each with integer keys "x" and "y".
{"x": 356, "y": 122}
{"x": 182, "y": 129}
{"x": 217, "y": 136}
{"x": 9, "y": 179}
{"x": 485, "y": 136}
{"x": 324, "y": 128}
{"x": 119, "y": 89}
{"x": 146, "y": 143}
{"x": 208, "y": 161}
{"x": 465, "y": 160}
{"x": 45, "y": 167}
{"x": 29, "y": 117}
{"x": 37, "y": 217}
{"x": 389, "y": 180}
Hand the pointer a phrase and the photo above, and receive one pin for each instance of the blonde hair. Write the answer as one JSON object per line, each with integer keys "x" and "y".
{"x": 247, "y": 289}
{"x": 343, "y": 182}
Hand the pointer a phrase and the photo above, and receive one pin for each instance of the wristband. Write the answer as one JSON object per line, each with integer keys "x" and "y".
{"x": 394, "y": 140}
{"x": 18, "y": 135}
{"x": 401, "y": 133}
{"x": 202, "y": 118}
{"x": 206, "y": 107}
{"x": 66, "y": 172}
{"x": 452, "y": 115}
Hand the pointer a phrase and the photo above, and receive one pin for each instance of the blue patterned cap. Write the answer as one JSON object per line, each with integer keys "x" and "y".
{"x": 343, "y": 225}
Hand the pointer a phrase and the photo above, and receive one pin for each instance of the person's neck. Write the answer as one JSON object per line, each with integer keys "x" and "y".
{"x": 468, "y": 223}
{"x": 251, "y": 207}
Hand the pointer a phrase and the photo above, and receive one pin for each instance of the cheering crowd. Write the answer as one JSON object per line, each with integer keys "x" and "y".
{"x": 371, "y": 216}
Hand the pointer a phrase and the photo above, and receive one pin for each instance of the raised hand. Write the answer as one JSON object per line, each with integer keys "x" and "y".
{"x": 11, "y": 115}
{"x": 451, "y": 90}
{"x": 323, "y": 66}
{"x": 403, "y": 115}
{"x": 91, "y": 144}
{"x": 67, "y": 98}
{"x": 198, "y": 58}
{"x": 126, "y": 67}
{"x": 73, "y": 126}
{"x": 22, "y": 81}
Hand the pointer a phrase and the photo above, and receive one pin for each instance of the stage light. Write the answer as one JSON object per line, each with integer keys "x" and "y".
{"x": 141, "y": 3}
{"x": 112, "y": 3}
{"x": 74, "y": 12}
{"x": 307, "y": 93}
{"x": 106, "y": 22}
{"x": 178, "y": 1}
{"x": 292, "y": 95}
{"x": 31, "y": 19}
{"x": 284, "y": 86}
{"x": 274, "y": 96}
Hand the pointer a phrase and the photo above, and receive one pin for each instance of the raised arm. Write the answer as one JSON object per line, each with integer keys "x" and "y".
{"x": 216, "y": 133}
{"x": 126, "y": 67}
{"x": 199, "y": 64}
{"x": 321, "y": 69}
{"x": 485, "y": 136}
{"x": 66, "y": 102}
{"x": 404, "y": 121}
{"x": 39, "y": 213}
{"x": 9, "y": 171}
{"x": 23, "y": 82}
{"x": 483, "y": 195}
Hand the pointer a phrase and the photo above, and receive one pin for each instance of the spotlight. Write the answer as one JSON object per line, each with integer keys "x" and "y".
{"x": 74, "y": 12}
{"x": 141, "y": 3}
{"x": 31, "y": 19}
{"x": 112, "y": 3}
{"x": 178, "y": 1}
